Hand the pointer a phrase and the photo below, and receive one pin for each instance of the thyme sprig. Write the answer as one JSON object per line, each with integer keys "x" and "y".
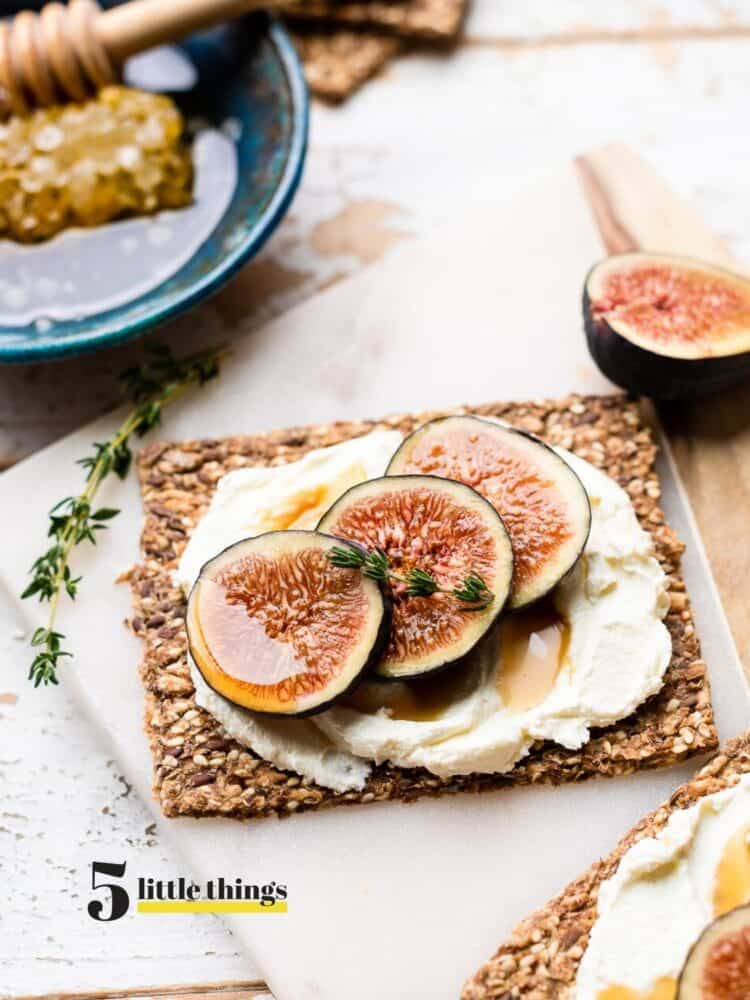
{"x": 419, "y": 583}
{"x": 150, "y": 387}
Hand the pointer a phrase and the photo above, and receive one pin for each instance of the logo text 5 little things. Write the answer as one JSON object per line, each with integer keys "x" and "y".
{"x": 112, "y": 894}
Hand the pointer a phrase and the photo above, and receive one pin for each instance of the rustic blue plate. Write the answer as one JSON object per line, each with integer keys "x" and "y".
{"x": 247, "y": 76}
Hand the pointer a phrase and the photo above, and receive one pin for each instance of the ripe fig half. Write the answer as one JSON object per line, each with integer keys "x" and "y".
{"x": 445, "y": 529}
{"x": 540, "y": 499}
{"x": 276, "y": 628}
{"x": 718, "y": 964}
{"x": 667, "y": 327}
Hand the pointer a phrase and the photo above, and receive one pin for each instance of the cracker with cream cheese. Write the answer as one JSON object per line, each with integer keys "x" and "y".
{"x": 199, "y": 770}
{"x": 543, "y": 956}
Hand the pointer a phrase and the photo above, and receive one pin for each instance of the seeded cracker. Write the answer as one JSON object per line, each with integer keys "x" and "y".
{"x": 338, "y": 62}
{"x": 438, "y": 20}
{"x": 540, "y": 960}
{"x": 199, "y": 771}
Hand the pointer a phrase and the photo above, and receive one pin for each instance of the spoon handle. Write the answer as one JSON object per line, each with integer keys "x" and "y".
{"x": 67, "y": 52}
{"x": 141, "y": 24}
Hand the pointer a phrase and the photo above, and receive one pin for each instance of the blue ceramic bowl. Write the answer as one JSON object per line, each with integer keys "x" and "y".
{"x": 268, "y": 97}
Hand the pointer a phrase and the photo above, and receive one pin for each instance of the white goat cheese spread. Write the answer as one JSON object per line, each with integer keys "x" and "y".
{"x": 662, "y": 897}
{"x": 612, "y": 604}
{"x": 249, "y": 502}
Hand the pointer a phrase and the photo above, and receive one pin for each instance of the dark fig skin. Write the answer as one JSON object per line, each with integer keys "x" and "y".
{"x": 647, "y": 373}
{"x": 381, "y": 641}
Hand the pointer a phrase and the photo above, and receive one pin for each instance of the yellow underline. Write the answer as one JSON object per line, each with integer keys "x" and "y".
{"x": 209, "y": 906}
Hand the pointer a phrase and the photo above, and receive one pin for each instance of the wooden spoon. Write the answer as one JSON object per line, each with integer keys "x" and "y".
{"x": 67, "y": 52}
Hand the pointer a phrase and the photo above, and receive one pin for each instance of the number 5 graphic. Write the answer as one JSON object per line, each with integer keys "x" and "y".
{"x": 119, "y": 899}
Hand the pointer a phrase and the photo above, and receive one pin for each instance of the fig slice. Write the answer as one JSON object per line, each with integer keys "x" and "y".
{"x": 718, "y": 964}
{"x": 442, "y": 528}
{"x": 540, "y": 499}
{"x": 667, "y": 327}
{"x": 276, "y": 628}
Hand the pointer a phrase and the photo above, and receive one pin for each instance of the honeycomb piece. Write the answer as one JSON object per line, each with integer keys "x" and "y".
{"x": 122, "y": 153}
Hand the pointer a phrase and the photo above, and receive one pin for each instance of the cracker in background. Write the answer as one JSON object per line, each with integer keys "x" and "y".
{"x": 338, "y": 62}
{"x": 541, "y": 958}
{"x": 200, "y": 771}
{"x": 439, "y": 20}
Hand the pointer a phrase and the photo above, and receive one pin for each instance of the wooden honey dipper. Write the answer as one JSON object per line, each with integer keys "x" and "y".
{"x": 67, "y": 52}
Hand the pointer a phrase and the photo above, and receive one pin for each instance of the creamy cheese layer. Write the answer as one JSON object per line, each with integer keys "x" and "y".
{"x": 291, "y": 744}
{"x": 666, "y": 890}
{"x": 612, "y": 604}
{"x": 249, "y": 502}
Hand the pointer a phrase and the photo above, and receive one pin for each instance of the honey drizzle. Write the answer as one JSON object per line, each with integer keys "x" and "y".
{"x": 533, "y": 648}
{"x": 665, "y": 988}
{"x": 423, "y": 700}
{"x": 732, "y": 879}
{"x": 303, "y": 509}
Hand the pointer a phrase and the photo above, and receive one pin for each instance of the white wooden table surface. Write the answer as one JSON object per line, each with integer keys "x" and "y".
{"x": 534, "y": 82}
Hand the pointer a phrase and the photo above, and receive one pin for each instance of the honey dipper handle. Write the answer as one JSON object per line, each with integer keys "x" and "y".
{"x": 141, "y": 24}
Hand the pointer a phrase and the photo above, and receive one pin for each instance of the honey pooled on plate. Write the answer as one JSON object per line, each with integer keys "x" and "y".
{"x": 120, "y": 154}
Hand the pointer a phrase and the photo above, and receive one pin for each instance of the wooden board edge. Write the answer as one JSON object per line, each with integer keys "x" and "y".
{"x": 256, "y": 990}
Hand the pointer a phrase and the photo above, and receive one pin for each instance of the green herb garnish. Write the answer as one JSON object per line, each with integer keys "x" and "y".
{"x": 151, "y": 387}
{"x": 419, "y": 583}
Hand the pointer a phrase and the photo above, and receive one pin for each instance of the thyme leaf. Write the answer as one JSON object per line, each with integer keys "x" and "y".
{"x": 150, "y": 386}
{"x": 419, "y": 583}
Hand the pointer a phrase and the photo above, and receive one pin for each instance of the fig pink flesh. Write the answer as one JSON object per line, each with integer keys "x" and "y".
{"x": 240, "y": 644}
{"x": 281, "y": 629}
{"x": 525, "y": 496}
{"x": 668, "y": 303}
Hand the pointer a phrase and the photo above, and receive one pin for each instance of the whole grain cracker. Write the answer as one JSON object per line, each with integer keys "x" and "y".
{"x": 338, "y": 62}
{"x": 200, "y": 771}
{"x": 439, "y": 20}
{"x": 541, "y": 958}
